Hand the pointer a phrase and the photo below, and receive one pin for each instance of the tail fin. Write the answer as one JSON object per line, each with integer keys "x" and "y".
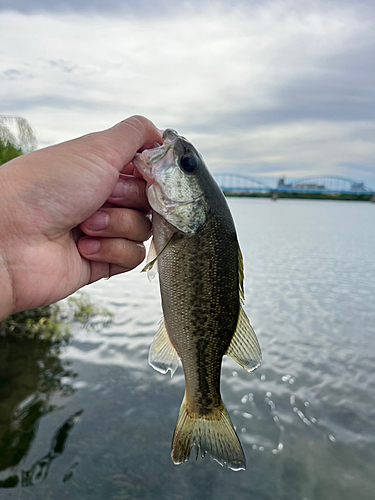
{"x": 212, "y": 433}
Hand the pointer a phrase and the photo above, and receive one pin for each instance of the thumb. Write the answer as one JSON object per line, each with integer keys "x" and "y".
{"x": 119, "y": 144}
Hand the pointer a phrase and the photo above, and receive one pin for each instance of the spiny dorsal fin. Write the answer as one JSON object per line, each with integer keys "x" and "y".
{"x": 241, "y": 275}
{"x": 163, "y": 356}
{"x": 244, "y": 347}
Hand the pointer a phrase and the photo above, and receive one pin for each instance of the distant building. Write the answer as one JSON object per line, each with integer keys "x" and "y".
{"x": 281, "y": 183}
{"x": 358, "y": 186}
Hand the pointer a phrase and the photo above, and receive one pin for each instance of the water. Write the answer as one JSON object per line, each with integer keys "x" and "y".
{"x": 95, "y": 421}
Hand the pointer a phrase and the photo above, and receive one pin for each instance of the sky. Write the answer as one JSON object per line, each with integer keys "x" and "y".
{"x": 262, "y": 88}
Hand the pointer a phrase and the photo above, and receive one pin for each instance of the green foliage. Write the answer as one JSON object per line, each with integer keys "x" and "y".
{"x": 82, "y": 308}
{"x": 16, "y": 137}
{"x": 42, "y": 322}
{"x": 53, "y": 322}
{"x": 8, "y": 151}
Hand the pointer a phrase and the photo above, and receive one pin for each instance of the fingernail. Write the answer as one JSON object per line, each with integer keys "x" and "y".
{"x": 99, "y": 220}
{"x": 89, "y": 246}
{"x": 119, "y": 190}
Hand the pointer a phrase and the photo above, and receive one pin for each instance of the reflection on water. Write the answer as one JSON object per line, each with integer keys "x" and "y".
{"x": 39, "y": 470}
{"x": 31, "y": 371}
{"x": 101, "y": 426}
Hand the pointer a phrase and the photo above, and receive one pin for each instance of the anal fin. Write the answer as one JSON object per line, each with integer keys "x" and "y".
{"x": 163, "y": 356}
{"x": 244, "y": 347}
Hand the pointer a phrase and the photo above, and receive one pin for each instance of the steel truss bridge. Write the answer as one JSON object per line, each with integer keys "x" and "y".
{"x": 322, "y": 184}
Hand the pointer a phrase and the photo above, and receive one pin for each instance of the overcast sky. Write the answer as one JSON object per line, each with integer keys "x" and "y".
{"x": 268, "y": 89}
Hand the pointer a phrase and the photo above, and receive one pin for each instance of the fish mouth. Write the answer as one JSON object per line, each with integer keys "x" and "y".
{"x": 143, "y": 161}
{"x": 170, "y": 137}
{"x": 173, "y": 146}
{"x": 176, "y": 203}
{"x": 158, "y": 153}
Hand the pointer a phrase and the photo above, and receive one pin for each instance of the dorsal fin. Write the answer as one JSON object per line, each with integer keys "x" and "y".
{"x": 241, "y": 275}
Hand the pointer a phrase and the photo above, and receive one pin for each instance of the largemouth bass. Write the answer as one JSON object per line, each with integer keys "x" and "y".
{"x": 197, "y": 255}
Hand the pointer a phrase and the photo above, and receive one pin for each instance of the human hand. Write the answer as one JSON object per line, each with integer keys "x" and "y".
{"x": 68, "y": 218}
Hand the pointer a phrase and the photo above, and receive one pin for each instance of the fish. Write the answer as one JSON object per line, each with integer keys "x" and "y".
{"x": 196, "y": 252}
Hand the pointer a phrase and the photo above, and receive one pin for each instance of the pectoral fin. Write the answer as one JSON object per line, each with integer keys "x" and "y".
{"x": 163, "y": 356}
{"x": 244, "y": 347}
{"x": 152, "y": 257}
{"x": 151, "y": 265}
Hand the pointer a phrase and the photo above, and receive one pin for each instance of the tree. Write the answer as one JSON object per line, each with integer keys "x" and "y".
{"x": 16, "y": 137}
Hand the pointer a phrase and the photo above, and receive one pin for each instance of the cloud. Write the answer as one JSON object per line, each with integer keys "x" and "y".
{"x": 11, "y": 74}
{"x": 163, "y": 7}
{"x": 58, "y": 6}
{"x": 295, "y": 149}
{"x": 278, "y": 87}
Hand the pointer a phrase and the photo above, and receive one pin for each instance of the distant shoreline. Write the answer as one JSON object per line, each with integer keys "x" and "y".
{"x": 301, "y": 196}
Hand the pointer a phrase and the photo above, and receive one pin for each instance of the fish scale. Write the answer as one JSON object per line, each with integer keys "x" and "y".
{"x": 210, "y": 305}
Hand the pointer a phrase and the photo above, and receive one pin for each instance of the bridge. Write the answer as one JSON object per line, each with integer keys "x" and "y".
{"x": 241, "y": 183}
{"x": 316, "y": 184}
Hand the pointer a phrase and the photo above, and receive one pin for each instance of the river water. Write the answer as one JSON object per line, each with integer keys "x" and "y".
{"x": 95, "y": 421}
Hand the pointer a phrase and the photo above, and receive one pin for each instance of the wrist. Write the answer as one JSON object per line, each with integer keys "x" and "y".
{"x": 6, "y": 289}
{"x": 6, "y": 282}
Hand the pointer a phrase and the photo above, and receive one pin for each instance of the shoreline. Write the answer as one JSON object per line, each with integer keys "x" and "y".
{"x": 303, "y": 196}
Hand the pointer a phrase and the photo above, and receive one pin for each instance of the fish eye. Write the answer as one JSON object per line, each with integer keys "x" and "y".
{"x": 188, "y": 163}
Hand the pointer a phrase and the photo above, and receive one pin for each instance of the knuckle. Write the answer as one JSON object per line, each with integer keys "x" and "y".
{"x": 132, "y": 254}
{"x": 137, "y": 226}
{"x": 122, "y": 252}
{"x": 139, "y": 119}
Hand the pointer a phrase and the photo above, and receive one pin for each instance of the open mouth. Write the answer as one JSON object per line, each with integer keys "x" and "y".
{"x": 158, "y": 153}
{"x": 144, "y": 161}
